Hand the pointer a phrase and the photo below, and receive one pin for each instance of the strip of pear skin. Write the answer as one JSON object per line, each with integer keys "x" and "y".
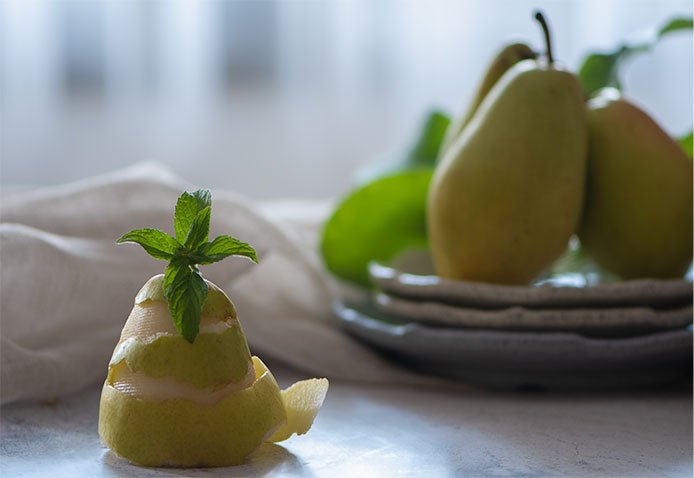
{"x": 142, "y": 386}
{"x": 151, "y": 319}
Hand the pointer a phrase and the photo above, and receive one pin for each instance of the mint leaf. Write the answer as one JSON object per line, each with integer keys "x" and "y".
{"x": 157, "y": 244}
{"x": 199, "y": 229}
{"x": 225, "y": 246}
{"x": 185, "y": 292}
{"x": 185, "y": 289}
{"x": 601, "y": 69}
{"x": 187, "y": 207}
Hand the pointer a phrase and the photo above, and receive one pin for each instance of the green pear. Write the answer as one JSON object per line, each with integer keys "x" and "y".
{"x": 507, "y": 195}
{"x": 505, "y": 59}
{"x": 637, "y": 220}
{"x": 169, "y": 402}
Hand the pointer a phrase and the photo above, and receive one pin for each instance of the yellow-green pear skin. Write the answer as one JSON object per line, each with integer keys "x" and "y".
{"x": 214, "y": 359}
{"x": 505, "y": 59}
{"x": 182, "y": 433}
{"x": 507, "y": 195}
{"x": 637, "y": 221}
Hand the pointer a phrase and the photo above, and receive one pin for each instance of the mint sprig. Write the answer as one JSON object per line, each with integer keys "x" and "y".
{"x": 184, "y": 287}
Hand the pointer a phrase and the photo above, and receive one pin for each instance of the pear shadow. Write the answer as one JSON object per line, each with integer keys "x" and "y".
{"x": 268, "y": 458}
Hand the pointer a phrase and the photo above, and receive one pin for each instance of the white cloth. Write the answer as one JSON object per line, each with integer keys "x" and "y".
{"x": 67, "y": 288}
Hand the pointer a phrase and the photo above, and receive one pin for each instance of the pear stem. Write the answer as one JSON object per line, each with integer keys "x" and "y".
{"x": 548, "y": 41}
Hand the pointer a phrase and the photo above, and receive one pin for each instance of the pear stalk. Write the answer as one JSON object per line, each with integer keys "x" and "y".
{"x": 548, "y": 41}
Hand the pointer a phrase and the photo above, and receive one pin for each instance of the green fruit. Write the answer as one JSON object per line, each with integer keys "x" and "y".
{"x": 375, "y": 223}
{"x": 638, "y": 212}
{"x": 181, "y": 432}
{"x": 167, "y": 402}
{"x": 505, "y": 59}
{"x": 507, "y": 195}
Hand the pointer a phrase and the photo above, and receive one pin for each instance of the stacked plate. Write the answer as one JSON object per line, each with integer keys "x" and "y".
{"x": 563, "y": 332}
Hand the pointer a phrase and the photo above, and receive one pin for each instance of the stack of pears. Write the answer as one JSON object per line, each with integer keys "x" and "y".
{"x": 531, "y": 164}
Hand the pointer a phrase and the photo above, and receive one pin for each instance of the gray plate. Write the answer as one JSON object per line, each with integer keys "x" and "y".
{"x": 408, "y": 278}
{"x": 556, "y": 360}
{"x": 611, "y": 321}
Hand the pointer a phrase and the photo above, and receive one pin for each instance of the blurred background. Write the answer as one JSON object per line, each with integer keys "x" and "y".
{"x": 280, "y": 98}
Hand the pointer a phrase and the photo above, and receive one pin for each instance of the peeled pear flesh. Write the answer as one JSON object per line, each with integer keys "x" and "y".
{"x": 167, "y": 402}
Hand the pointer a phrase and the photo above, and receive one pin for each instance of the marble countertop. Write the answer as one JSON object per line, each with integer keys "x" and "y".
{"x": 367, "y": 430}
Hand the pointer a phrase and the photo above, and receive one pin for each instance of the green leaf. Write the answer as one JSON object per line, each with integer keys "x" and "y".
{"x": 601, "y": 69}
{"x": 376, "y": 222}
{"x": 185, "y": 292}
{"x": 676, "y": 24}
{"x": 224, "y": 246}
{"x": 187, "y": 207}
{"x": 199, "y": 229}
{"x": 426, "y": 150}
{"x": 686, "y": 143}
{"x": 157, "y": 244}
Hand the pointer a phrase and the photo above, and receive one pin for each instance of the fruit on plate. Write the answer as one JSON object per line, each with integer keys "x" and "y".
{"x": 182, "y": 387}
{"x": 637, "y": 220}
{"x": 505, "y": 59}
{"x": 507, "y": 196}
{"x": 375, "y": 223}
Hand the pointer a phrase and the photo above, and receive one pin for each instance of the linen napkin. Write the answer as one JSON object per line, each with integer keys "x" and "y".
{"x": 67, "y": 288}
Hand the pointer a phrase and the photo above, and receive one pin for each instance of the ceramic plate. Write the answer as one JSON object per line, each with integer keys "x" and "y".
{"x": 411, "y": 277}
{"x": 612, "y": 321}
{"x": 557, "y": 360}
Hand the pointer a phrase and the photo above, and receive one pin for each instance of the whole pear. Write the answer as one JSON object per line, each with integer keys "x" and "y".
{"x": 505, "y": 59}
{"x": 507, "y": 195}
{"x": 637, "y": 220}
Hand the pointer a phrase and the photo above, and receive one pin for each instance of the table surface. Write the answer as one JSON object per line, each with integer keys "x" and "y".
{"x": 380, "y": 431}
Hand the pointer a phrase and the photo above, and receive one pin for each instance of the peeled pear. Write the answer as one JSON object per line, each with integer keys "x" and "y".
{"x": 637, "y": 221}
{"x": 507, "y": 195}
{"x": 168, "y": 402}
{"x": 505, "y": 59}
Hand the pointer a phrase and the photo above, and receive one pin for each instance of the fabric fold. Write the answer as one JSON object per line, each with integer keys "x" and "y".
{"x": 67, "y": 288}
